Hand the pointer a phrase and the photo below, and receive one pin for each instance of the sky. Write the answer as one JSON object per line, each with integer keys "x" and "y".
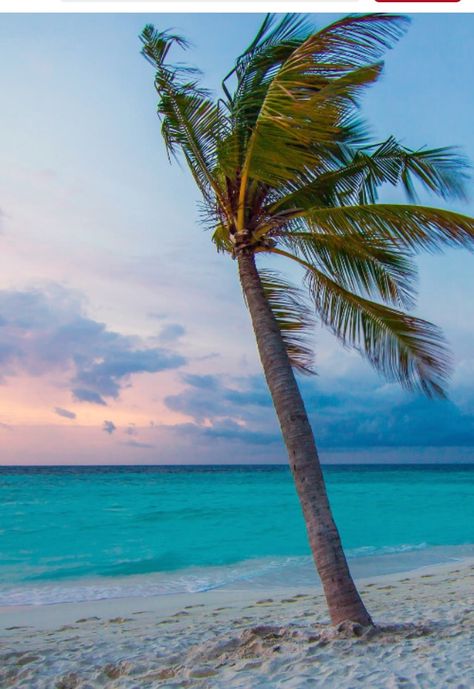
{"x": 123, "y": 335}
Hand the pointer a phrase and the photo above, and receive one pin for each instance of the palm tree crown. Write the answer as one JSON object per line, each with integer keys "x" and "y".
{"x": 285, "y": 167}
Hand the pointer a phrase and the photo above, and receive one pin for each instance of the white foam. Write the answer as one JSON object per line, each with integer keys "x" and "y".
{"x": 254, "y": 574}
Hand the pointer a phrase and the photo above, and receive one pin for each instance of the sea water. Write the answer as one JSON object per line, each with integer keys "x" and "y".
{"x": 82, "y": 533}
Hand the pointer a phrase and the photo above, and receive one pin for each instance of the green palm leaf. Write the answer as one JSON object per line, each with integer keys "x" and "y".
{"x": 191, "y": 122}
{"x": 254, "y": 70}
{"x": 360, "y": 173}
{"x": 403, "y": 348}
{"x": 294, "y": 317}
{"x": 311, "y": 95}
{"x": 358, "y": 263}
{"x": 405, "y": 226}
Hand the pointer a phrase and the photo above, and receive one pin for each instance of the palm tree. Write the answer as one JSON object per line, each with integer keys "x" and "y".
{"x": 285, "y": 168}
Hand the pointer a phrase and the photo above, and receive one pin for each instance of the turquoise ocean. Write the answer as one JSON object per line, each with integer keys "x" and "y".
{"x": 85, "y": 533}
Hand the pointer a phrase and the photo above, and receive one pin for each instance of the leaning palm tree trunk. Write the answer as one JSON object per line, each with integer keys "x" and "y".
{"x": 342, "y": 596}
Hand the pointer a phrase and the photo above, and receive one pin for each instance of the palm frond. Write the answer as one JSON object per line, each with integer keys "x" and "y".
{"x": 405, "y": 349}
{"x": 157, "y": 44}
{"x": 294, "y": 317}
{"x": 408, "y": 227}
{"x": 221, "y": 239}
{"x": 273, "y": 43}
{"x": 192, "y": 123}
{"x": 358, "y": 175}
{"x": 301, "y": 117}
{"x": 443, "y": 171}
{"x": 370, "y": 267}
{"x": 311, "y": 95}
{"x": 253, "y": 72}
{"x": 353, "y": 41}
{"x": 358, "y": 39}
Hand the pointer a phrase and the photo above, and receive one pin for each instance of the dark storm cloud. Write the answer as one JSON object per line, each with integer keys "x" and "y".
{"x": 410, "y": 422}
{"x": 65, "y": 413}
{"x": 363, "y": 412}
{"x": 46, "y": 330}
{"x": 225, "y": 431}
{"x": 236, "y": 411}
{"x": 372, "y": 414}
{"x": 233, "y": 431}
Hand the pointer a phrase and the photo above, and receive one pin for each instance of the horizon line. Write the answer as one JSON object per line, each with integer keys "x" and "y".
{"x": 221, "y": 465}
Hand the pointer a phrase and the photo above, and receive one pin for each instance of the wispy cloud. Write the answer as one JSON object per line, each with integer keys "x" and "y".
{"x": 65, "y": 413}
{"x": 138, "y": 445}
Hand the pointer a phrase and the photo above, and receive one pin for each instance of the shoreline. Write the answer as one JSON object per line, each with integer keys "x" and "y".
{"x": 51, "y": 614}
{"x": 236, "y": 638}
{"x": 252, "y": 575}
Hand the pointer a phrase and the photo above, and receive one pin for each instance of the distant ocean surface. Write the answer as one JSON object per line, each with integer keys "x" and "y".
{"x": 83, "y": 533}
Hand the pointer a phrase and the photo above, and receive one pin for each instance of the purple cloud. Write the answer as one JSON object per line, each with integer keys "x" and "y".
{"x": 65, "y": 413}
{"x": 46, "y": 330}
{"x": 138, "y": 445}
{"x": 367, "y": 414}
{"x": 109, "y": 427}
{"x": 171, "y": 332}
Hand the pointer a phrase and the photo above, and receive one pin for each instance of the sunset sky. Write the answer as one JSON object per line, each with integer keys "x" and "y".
{"x": 123, "y": 335}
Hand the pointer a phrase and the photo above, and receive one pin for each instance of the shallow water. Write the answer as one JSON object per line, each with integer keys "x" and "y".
{"x": 78, "y": 533}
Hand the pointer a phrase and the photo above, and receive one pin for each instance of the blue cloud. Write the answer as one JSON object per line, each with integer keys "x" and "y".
{"x": 107, "y": 375}
{"x": 257, "y": 396}
{"x": 109, "y": 427}
{"x": 138, "y": 445}
{"x": 237, "y": 411}
{"x": 65, "y": 413}
{"x": 202, "y": 382}
{"x": 171, "y": 332}
{"x": 225, "y": 431}
{"x": 363, "y": 413}
{"x": 411, "y": 422}
{"x": 47, "y": 329}
{"x": 232, "y": 431}
{"x": 84, "y": 395}
{"x": 209, "y": 396}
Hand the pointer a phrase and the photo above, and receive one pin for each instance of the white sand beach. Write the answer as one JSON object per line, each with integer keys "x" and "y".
{"x": 233, "y": 639}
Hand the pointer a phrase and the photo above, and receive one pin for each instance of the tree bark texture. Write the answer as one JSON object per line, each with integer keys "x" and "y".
{"x": 343, "y": 599}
